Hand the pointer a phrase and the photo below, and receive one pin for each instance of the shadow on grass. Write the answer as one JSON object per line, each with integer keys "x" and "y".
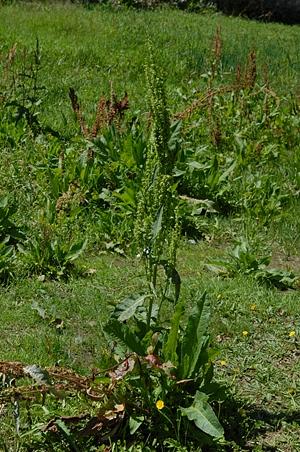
{"x": 246, "y": 425}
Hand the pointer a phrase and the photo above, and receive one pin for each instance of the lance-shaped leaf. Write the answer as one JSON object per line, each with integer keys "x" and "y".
{"x": 156, "y": 227}
{"x": 75, "y": 250}
{"x": 194, "y": 339}
{"x": 203, "y": 415}
{"x": 127, "y": 307}
{"x": 170, "y": 347}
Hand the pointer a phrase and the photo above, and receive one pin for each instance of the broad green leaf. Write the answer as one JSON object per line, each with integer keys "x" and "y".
{"x": 128, "y": 196}
{"x": 170, "y": 346}
{"x": 199, "y": 166}
{"x": 194, "y": 339}
{"x": 76, "y": 250}
{"x": 122, "y": 333}
{"x": 127, "y": 308}
{"x": 203, "y": 415}
{"x": 62, "y": 426}
{"x": 134, "y": 423}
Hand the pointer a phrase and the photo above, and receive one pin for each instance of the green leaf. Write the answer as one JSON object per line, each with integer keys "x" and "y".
{"x": 193, "y": 164}
{"x": 203, "y": 415}
{"x": 76, "y": 250}
{"x": 67, "y": 434}
{"x": 122, "y": 333}
{"x": 134, "y": 423}
{"x": 195, "y": 339}
{"x": 170, "y": 347}
{"x": 278, "y": 278}
{"x": 227, "y": 172}
{"x": 62, "y": 426}
{"x": 157, "y": 223}
{"x": 127, "y": 308}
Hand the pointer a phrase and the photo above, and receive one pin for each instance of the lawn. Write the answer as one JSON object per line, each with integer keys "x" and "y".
{"x": 69, "y": 209}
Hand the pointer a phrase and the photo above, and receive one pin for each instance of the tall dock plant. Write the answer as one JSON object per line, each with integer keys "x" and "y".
{"x": 156, "y": 231}
{"x": 170, "y": 361}
{"x": 157, "y": 227}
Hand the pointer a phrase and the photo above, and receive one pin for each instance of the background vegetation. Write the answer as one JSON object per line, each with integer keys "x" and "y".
{"x": 72, "y": 172}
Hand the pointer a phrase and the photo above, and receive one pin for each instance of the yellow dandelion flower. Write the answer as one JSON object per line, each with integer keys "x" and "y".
{"x": 292, "y": 333}
{"x": 160, "y": 404}
{"x": 245, "y": 333}
{"x": 253, "y": 307}
{"x": 223, "y": 362}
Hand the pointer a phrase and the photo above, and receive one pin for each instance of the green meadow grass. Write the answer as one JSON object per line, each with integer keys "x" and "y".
{"x": 256, "y": 356}
{"x": 88, "y": 48}
{"x": 255, "y": 330}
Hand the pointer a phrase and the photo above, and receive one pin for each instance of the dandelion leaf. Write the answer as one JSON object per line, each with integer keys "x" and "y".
{"x": 203, "y": 415}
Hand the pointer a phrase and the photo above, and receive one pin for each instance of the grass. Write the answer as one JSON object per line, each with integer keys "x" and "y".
{"x": 86, "y": 48}
{"x": 260, "y": 369}
{"x": 66, "y": 317}
{"x": 256, "y": 356}
{"x": 254, "y": 328}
